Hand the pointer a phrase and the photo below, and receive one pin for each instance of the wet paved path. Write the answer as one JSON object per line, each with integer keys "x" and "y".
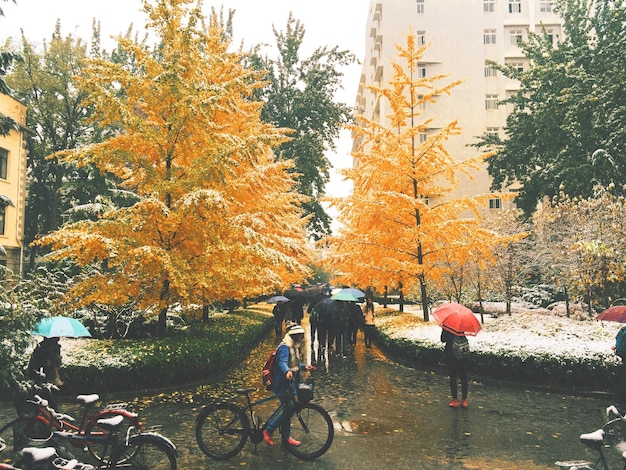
{"x": 391, "y": 416}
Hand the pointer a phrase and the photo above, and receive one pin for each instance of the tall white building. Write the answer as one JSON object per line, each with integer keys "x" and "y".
{"x": 462, "y": 35}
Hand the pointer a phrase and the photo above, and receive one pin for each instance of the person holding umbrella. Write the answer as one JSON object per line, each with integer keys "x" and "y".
{"x": 43, "y": 368}
{"x": 456, "y": 321}
{"x": 45, "y": 360}
{"x": 279, "y": 311}
{"x": 457, "y": 368}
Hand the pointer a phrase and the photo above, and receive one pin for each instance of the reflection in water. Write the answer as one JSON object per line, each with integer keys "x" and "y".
{"x": 457, "y": 444}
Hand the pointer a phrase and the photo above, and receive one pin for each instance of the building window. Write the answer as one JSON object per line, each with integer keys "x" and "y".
{"x": 546, "y": 7}
{"x": 515, "y": 6}
{"x": 3, "y": 212}
{"x": 423, "y": 137}
{"x": 421, "y": 38}
{"x": 420, "y": 6}
{"x": 516, "y": 36}
{"x": 4, "y": 163}
{"x": 493, "y": 132}
{"x": 551, "y": 36}
{"x": 489, "y": 36}
{"x": 517, "y": 66}
{"x": 490, "y": 71}
{"x": 421, "y": 70}
{"x": 489, "y": 6}
{"x": 491, "y": 102}
{"x": 495, "y": 203}
{"x": 421, "y": 104}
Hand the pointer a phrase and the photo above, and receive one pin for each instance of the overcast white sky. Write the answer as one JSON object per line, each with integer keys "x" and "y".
{"x": 326, "y": 22}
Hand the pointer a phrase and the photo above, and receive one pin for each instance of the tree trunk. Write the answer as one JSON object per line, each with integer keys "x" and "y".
{"x": 162, "y": 320}
{"x": 424, "y": 300}
{"x": 162, "y": 324}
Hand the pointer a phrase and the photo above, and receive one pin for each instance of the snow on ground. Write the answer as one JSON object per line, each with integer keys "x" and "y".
{"x": 525, "y": 333}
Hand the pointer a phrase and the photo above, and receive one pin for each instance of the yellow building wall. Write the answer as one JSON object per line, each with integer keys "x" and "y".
{"x": 13, "y": 186}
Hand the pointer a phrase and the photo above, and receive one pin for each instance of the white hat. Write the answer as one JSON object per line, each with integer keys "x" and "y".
{"x": 294, "y": 329}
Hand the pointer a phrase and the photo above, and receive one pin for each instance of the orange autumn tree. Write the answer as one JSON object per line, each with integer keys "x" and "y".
{"x": 216, "y": 216}
{"x": 400, "y": 224}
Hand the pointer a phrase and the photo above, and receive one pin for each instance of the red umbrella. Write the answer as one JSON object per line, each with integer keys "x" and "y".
{"x": 616, "y": 313}
{"x": 457, "y": 319}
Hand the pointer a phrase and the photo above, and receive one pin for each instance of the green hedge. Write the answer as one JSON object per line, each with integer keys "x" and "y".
{"x": 206, "y": 350}
{"x": 200, "y": 351}
{"x": 564, "y": 373}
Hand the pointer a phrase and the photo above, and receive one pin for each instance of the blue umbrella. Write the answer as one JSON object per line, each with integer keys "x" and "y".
{"x": 349, "y": 290}
{"x": 346, "y": 296}
{"x": 55, "y": 327}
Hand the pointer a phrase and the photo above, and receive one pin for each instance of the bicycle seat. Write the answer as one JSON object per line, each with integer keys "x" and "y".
{"x": 111, "y": 423}
{"x": 593, "y": 439}
{"x": 87, "y": 399}
{"x": 37, "y": 454}
{"x": 245, "y": 391}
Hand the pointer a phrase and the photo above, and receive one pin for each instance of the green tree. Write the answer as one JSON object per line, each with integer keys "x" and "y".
{"x": 568, "y": 125}
{"x": 586, "y": 249}
{"x": 300, "y": 95}
{"x": 6, "y": 59}
{"x": 58, "y": 117}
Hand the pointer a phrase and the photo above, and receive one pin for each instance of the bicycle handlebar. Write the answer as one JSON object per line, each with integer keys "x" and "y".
{"x": 45, "y": 404}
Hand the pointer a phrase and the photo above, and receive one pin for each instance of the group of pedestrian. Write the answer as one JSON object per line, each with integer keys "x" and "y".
{"x": 287, "y": 311}
{"x": 336, "y": 324}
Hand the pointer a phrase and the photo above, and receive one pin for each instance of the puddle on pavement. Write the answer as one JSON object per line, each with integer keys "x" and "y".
{"x": 361, "y": 426}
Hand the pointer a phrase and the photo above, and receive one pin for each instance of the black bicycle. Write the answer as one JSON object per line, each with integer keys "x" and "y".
{"x": 611, "y": 434}
{"x": 223, "y": 428}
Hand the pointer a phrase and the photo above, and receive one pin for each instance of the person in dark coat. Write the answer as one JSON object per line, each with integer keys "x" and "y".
{"x": 457, "y": 368}
{"x": 279, "y": 312}
{"x": 296, "y": 308}
{"x": 356, "y": 321}
{"x": 314, "y": 316}
{"x": 323, "y": 313}
{"x": 43, "y": 368}
{"x": 341, "y": 321}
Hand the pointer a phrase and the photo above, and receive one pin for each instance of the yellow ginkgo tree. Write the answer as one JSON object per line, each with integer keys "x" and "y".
{"x": 216, "y": 216}
{"x": 401, "y": 223}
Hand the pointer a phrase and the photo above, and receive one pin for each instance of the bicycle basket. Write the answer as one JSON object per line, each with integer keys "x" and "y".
{"x": 305, "y": 392}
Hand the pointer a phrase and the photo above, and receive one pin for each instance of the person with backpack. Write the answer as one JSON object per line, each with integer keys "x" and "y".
{"x": 286, "y": 373}
{"x": 456, "y": 353}
{"x": 620, "y": 343}
{"x": 620, "y": 351}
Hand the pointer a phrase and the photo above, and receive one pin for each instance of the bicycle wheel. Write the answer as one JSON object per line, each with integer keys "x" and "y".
{"x": 97, "y": 447}
{"x": 145, "y": 452}
{"x": 222, "y": 430}
{"x": 312, "y": 426}
{"x": 29, "y": 431}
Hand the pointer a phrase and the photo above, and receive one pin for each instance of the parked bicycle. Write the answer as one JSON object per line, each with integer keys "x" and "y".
{"x": 611, "y": 434}
{"x": 40, "y": 420}
{"x": 35, "y": 458}
{"x": 223, "y": 428}
{"x": 121, "y": 450}
{"x": 119, "y": 446}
